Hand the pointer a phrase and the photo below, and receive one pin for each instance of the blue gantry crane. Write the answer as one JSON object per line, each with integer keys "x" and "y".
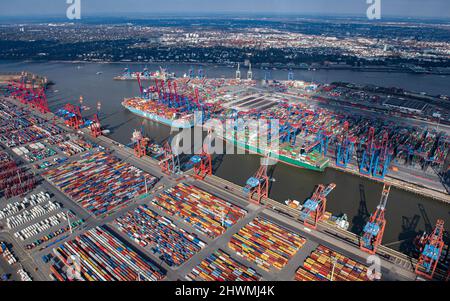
{"x": 373, "y": 231}
{"x": 313, "y": 209}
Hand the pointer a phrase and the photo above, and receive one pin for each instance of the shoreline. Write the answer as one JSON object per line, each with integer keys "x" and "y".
{"x": 374, "y": 69}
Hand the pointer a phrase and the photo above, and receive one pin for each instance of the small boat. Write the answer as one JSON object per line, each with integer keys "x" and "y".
{"x": 99, "y": 73}
{"x": 292, "y": 204}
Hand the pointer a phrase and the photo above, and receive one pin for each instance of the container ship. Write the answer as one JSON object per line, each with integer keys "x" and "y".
{"x": 286, "y": 154}
{"x": 311, "y": 161}
{"x": 161, "y": 74}
{"x": 156, "y": 112}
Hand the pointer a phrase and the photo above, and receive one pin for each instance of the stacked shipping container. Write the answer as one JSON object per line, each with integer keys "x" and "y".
{"x": 174, "y": 245}
{"x": 206, "y": 213}
{"x": 266, "y": 244}
{"x": 100, "y": 182}
{"x": 319, "y": 265}
{"x": 221, "y": 267}
{"x": 102, "y": 257}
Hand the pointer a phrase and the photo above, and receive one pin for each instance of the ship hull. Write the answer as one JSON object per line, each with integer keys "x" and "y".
{"x": 160, "y": 119}
{"x": 281, "y": 158}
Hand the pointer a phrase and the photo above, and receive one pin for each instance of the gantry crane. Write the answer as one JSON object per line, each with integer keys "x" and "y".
{"x": 368, "y": 153}
{"x": 41, "y": 102}
{"x": 72, "y": 116}
{"x": 374, "y": 229}
{"x": 314, "y": 208}
{"x": 94, "y": 124}
{"x": 345, "y": 147}
{"x": 431, "y": 252}
{"x": 202, "y": 164}
{"x": 257, "y": 187}
{"x": 170, "y": 164}
{"x": 383, "y": 158}
{"x": 141, "y": 89}
{"x": 140, "y": 144}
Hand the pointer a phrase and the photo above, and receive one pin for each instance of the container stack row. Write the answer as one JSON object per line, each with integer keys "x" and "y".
{"x": 219, "y": 266}
{"x": 14, "y": 180}
{"x": 7, "y": 254}
{"x": 266, "y": 244}
{"x": 54, "y": 234}
{"x": 56, "y": 139}
{"x": 319, "y": 266}
{"x": 39, "y": 154}
{"x": 30, "y": 134}
{"x": 206, "y": 213}
{"x": 13, "y": 118}
{"x": 75, "y": 146}
{"x": 101, "y": 257}
{"x": 100, "y": 182}
{"x": 173, "y": 245}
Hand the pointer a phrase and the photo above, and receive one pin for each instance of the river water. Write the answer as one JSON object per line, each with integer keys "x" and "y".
{"x": 407, "y": 214}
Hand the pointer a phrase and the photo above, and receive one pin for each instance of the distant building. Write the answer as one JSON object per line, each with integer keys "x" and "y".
{"x": 407, "y": 105}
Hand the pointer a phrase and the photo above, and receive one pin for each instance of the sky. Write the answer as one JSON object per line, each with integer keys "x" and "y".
{"x": 126, "y": 8}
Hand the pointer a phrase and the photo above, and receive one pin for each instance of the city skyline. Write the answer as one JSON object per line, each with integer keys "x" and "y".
{"x": 404, "y": 8}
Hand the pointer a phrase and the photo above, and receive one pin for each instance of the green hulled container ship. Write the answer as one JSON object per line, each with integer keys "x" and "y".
{"x": 313, "y": 161}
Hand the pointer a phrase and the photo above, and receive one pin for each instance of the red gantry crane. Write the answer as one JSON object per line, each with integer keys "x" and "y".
{"x": 140, "y": 143}
{"x": 95, "y": 126}
{"x": 374, "y": 229}
{"x": 258, "y": 185}
{"x": 73, "y": 116}
{"x": 314, "y": 208}
{"x": 170, "y": 164}
{"x": 41, "y": 102}
{"x": 431, "y": 252}
{"x": 202, "y": 164}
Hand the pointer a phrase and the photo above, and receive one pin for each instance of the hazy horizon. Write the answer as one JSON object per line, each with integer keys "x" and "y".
{"x": 439, "y": 9}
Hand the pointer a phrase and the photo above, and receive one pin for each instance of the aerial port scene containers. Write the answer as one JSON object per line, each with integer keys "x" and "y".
{"x": 311, "y": 134}
{"x": 324, "y": 265}
{"x": 266, "y": 244}
{"x": 166, "y": 229}
{"x": 172, "y": 244}
{"x": 127, "y": 216}
{"x": 137, "y": 149}
{"x": 203, "y": 211}
{"x": 102, "y": 258}
{"x": 221, "y": 267}
{"x": 100, "y": 182}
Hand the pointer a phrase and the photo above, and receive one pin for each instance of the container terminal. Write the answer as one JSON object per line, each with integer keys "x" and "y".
{"x": 319, "y": 126}
{"x": 162, "y": 74}
{"x": 67, "y": 189}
